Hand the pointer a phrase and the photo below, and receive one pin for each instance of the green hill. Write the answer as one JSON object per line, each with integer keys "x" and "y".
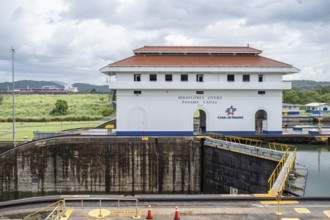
{"x": 308, "y": 84}
{"x": 31, "y": 84}
{"x": 87, "y": 88}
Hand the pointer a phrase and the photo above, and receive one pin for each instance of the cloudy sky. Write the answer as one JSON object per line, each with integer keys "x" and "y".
{"x": 70, "y": 40}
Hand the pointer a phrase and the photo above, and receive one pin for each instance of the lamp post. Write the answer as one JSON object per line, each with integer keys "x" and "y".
{"x": 12, "y": 50}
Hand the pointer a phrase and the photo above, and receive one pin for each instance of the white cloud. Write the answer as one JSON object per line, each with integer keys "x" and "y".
{"x": 179, "y": 40}
{"x": 71, "y": 40}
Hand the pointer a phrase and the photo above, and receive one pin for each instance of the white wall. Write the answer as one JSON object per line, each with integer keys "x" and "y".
{"x": 163, "y": 110}
{"x": 208, "y": 77}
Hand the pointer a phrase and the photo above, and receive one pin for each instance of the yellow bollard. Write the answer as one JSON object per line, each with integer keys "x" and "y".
{"x": 278, "y": 198}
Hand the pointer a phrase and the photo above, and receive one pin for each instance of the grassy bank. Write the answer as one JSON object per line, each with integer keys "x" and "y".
{"x": 26, "y": 129}
{"x": 36, "y": 108}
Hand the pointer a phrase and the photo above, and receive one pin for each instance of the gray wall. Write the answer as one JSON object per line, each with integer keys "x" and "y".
{"x": 128, "y": 165}
{"x": 124, "y": 165}
{"x": 223, "y": 169}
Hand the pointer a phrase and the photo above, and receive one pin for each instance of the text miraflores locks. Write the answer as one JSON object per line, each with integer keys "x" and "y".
{"x": 197, "y": 99}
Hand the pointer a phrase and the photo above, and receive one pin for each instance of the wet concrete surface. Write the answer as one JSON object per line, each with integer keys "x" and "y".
{"x": 193, "y": 210}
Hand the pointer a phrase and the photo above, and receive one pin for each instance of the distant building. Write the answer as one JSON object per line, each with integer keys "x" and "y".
{"x": 316, "y": 107}
{"x": 71, "y": 88}
{"x": 43, "y": 90}
{"x": 291, "y": 109}
{"x": 187, "y": 90}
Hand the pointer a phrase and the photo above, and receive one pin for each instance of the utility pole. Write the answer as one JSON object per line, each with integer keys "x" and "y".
{"x": 12, "y": 50}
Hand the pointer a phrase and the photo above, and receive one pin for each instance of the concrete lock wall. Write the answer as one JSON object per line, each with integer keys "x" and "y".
{"x": 128, "y": 165}
{"x": 101, "y": 165}
{"x": 223, "y": 169}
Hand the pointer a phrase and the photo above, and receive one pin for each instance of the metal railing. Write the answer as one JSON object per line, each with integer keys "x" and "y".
{"x": 236, "y": 139}
{"x": 118, "y": 200}
{"x": 281, "y": 172}
{"x": 281, "y": 147}
{"x": 54, "y": 214}
{"x": 285, "y": 154}
{"x": 82, "y": 199}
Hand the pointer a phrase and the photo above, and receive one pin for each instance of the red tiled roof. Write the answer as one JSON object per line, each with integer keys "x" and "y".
{"x": 199, "y": 60}
{"x": 196, "y": 49}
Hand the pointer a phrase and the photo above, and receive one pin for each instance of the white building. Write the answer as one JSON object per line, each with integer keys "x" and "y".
{"x": 291, "y": 109}
{"x": 316, "y": 107}
{"x": 164, "y": 90}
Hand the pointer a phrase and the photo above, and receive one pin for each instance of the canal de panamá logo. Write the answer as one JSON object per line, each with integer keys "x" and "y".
{"x": 230, "y": 114}
{"x": 231, "y": 110}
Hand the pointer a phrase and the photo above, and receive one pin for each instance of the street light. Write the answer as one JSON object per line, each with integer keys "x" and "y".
{"x": 12, "y": 50}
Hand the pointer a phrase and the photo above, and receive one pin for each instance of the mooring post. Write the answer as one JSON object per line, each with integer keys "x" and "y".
{"x": 278, "y": 198}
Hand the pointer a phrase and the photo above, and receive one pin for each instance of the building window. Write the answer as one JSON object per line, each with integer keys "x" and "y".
{"x": 230, "y": 78}
{"x": 168, "y": 77}
{"x": 199, "y": 92}
{"x": 153, "y": 77}
{"x": 246, "y": 78}
{"x": 199, "y": 78}
{"x": 137, "y": 77}
{"x": 184, "y": 77}
{"x": 260, "y": 78}
{"x": 261, "y": 92}
{"x": 137, "y": 92}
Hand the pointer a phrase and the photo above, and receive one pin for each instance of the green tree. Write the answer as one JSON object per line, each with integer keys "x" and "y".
{"x": 107, "y": 111}
{"x": 310, "y": 96}
{"x": 61, "y": 107}
{"x": 1, "y": 99}
{"x": 323, "y": 90}
{"x": 93, "y": 91}
{"x": 293, "y": 96}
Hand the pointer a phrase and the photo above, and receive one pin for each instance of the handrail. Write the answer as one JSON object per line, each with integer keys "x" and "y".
{"x": 118, "y": 199}
{"x": 281, "y": 146}
{"x": 284, "y": 165}
{"x": 282, "y": 170}
{"x": 52, "y": 213}
{"x": 59, "y": 203}
{"x": 277, "y": 170}
{"x": 236, "y": 139}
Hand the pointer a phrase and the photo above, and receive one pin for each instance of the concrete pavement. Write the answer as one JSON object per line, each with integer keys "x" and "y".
{"x": 188, "y": 210}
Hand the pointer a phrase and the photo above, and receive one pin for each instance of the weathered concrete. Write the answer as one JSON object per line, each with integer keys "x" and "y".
{"x": 223, "y": 169}
{"x": 124, "y": 165}
{"x": 5, "y": 146}
{"x": 128, "y": 165}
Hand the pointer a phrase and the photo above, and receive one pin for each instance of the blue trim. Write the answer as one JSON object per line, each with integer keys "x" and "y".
{"x": 232, "y": 132}
{"x": 314, "y": 132}
{"x": 244, "y": 132}
{"x": 272, "y": 132}
{"x": 291, "y": 113}
{"x": 152, "y": 133}
{"x": 187, "y": 133}
{"x": 297, "y": 128}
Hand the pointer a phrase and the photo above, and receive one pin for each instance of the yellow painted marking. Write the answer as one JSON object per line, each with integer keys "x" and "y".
{"x": 290, "y": 218}
{"x": 125, "y": 212}
{"x": 67, "y": 214}
{"x": 110, "y": 126}
{"x": 302, "y": 210}
{"x": 262, "y": 195}
{"x": 285, "y": 202}
{"x": 97, "y": 212}
{"x": 327, "y": 213}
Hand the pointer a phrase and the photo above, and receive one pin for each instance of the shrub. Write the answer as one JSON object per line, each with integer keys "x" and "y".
{"x": 61, "y": 108}
{"x": 107, "y": 112}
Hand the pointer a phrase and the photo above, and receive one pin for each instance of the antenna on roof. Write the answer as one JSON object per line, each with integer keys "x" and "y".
{"x": 248, "y": 45}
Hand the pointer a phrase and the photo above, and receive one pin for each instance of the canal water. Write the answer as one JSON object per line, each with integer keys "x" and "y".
{"x": 317, "y": 159}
